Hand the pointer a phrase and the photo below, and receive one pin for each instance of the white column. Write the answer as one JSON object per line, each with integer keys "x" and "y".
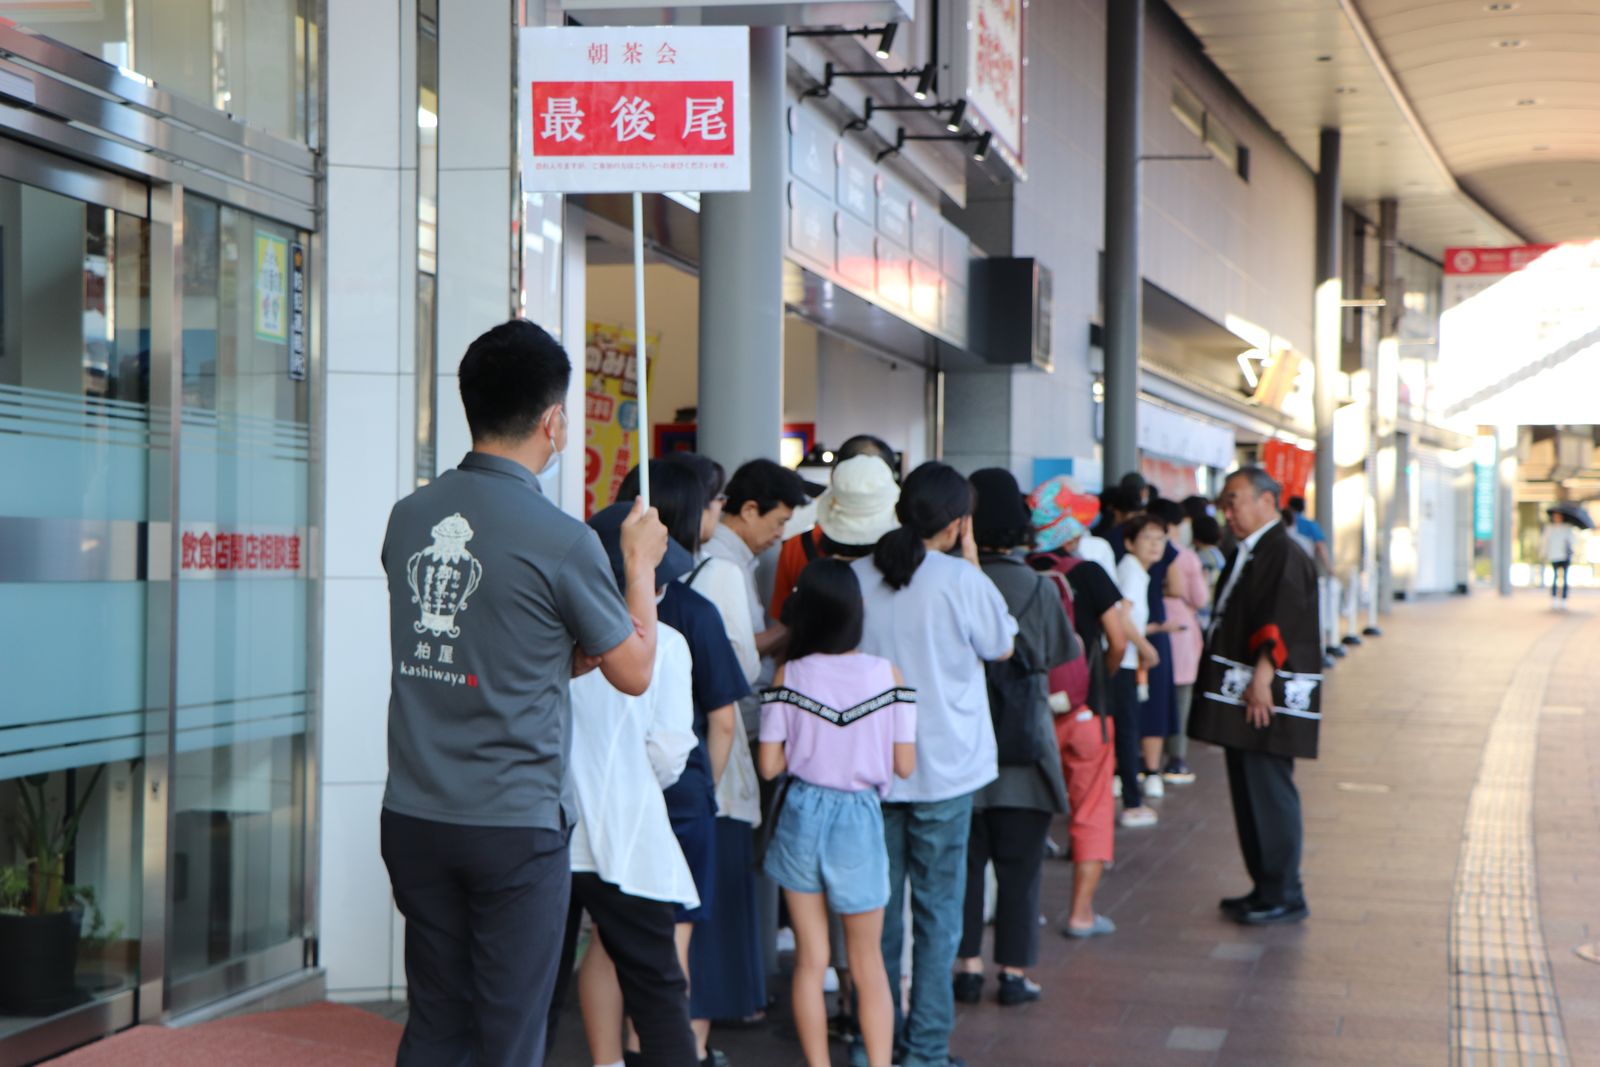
{"x": 476, "y": 195}
{"x": 369, "y": 293}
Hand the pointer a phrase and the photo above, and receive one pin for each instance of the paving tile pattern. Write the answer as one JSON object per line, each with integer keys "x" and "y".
{"x": 1503, "y": 998}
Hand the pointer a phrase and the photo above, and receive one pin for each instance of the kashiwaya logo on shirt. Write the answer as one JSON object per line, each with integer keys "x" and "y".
{"x": 442, "y": 578}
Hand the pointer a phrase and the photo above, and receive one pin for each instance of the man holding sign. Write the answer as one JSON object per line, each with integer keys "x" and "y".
{"x": 495, "y": 597}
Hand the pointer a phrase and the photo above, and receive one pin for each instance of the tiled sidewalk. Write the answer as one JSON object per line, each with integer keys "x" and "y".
{"x": 1365, "y": 982}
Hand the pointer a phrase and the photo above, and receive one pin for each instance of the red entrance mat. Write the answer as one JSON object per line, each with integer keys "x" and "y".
{"x": 318, "y": 1035}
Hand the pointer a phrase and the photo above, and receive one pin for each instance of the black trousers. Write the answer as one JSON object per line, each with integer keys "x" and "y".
{"x": 638, "y": 936}
{"x": 1013, "y": 838}
{"x": 481, "y": 938}
{"x": 1125, "y": 718}
{"x": 1558, "y": 578}
{"x": 1266, "y": 810}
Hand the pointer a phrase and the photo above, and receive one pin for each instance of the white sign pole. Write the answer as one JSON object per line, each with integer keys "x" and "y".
{"x": 639, "y": 352}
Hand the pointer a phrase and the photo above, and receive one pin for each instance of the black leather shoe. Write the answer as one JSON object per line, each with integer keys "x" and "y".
{"x": 1016, "y": 989}
{"x": 1272, "y": 914}
{"x": 968, "y": 988}
{"x": 1230, "y": 905}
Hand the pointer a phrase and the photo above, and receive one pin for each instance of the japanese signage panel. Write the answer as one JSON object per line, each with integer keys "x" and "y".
{"x": 297, "y": 312}
{"x": 644, "y": 109}
{"x": 894, "y": 210}
{"x": 994, "y": 67}
{"x": 926, "y": 227}
{"x": 894, "y": 274}
{"x": 857, "y": 253}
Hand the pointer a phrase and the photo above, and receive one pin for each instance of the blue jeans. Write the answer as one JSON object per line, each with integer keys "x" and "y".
{"x": 927, "y": 843}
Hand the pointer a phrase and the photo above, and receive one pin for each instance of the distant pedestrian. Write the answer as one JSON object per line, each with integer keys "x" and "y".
{"x": 1259, "y": 694}
{"x": 843, "y": 725}
{"x": 493, "y": 593}
{"x": 1313, "y": 532}
{"x": 939, "y": 618}
{"x": 1145, "y": 541}
{"x": 1559, "y": 542}
{"x": 1208, "y": 546}
{"x": 1011, "y": 816}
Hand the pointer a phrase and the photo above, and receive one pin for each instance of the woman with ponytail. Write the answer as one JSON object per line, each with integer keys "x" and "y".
{"x": 939, "y": 618}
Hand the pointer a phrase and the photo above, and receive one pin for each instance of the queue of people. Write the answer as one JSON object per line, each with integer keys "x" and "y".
{"x": 619, "y": 717}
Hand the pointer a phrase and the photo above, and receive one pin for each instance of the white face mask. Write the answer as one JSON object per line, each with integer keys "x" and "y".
{"x": 554, "y": 463}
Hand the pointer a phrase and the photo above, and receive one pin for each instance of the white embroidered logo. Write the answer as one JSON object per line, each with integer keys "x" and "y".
{"x": 442, "y": 577}
{"x": 1235, "y": 681}
{"x": 1297, "y": 693}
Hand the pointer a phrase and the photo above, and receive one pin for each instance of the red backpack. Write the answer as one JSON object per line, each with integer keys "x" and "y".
{"x": 1072, "y": 677}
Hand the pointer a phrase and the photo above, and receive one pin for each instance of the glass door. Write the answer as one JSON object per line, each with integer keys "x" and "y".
{"x": 239, "y": 796}
{"x": 75, "y": 459}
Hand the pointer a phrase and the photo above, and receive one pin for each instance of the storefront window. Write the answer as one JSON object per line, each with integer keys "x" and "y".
{"x": 239, "y": 781}
{"x": 74, "y": 460}
{"x": 250, "y": 58}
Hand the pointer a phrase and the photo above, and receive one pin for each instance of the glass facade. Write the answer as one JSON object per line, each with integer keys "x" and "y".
{"x": 74, "y": 457}
{"x": 156, "y": 592}
{"x": 253, "y": 59}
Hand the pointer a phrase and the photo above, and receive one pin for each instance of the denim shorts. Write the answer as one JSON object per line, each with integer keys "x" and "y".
{"x": 829, "y": 841}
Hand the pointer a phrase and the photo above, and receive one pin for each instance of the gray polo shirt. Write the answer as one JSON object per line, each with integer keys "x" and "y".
{"x": 490, "y": 587}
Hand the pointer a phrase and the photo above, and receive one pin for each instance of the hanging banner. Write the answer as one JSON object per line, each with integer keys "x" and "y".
{"x": 611, "y": 411}
{"x": 1290, "y": 466}
{"x": 995, "y": 67}
{"x": 651, "y": 109}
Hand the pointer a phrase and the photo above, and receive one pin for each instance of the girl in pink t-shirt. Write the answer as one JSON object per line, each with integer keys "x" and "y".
{"x": 843, "y": 725}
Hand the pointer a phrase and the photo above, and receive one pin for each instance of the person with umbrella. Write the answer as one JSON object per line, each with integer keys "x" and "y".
{"x": 1559, "y": 543}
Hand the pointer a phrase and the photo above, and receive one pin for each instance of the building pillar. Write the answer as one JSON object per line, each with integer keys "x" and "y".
{"x": 1386, "y": 399}
{"x": 1327, "y": 317}
{"x": 741, "y": 281}
{"x": 1123, "y": 299}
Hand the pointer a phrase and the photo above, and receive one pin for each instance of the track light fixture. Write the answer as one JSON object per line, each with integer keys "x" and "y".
{"x": 956, "y": 108}
{"x": 924, "y": 76}
{"x": 885, "y": 35}
{"x": 979, "y": 141}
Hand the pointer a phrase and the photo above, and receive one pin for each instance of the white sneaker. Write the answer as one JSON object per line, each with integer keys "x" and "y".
{"x": 785, "y": 939}
{"x": 830, "y": 981}
{"x": 1139, "y": 818}
{"x": 1152, "y": 786}
{"x": 1116, "y": 786}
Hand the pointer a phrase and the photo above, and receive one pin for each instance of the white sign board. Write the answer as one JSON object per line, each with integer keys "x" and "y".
{"x": 654, "y": 109}
{"x": 994, "y": 68}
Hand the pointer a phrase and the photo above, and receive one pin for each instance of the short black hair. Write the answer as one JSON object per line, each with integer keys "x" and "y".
{"x": 1168, "y": 511}
{"x": 767, "y": 484}
{"x": 1196, "y": 506}
{"x": 509, "y": 378}
{"x": 709, "y": 471}
{"x": 1001, "y": 518}
{"x": 1207, "y": 531}
{"x": 1138, "y": 524}
{"x": 824, "y": 614}
{"x": 1297, "y": 504}
{"x": 676, "y": 493}
{"x": 1117, "y": 498}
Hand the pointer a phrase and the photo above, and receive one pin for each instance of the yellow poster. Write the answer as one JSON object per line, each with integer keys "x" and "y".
{"x": 272, "y": 287}
{"x": 611, "y": 410}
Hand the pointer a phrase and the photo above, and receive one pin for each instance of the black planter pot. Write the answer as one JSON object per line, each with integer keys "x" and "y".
{"x": 41, "y": 954}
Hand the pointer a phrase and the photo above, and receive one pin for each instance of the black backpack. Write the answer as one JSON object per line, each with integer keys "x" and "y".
{"x": 1014, "y": 695}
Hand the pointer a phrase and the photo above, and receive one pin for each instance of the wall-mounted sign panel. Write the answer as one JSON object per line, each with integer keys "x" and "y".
{"x": 995, "y": 68}
{"x": 894, "y": 274}
{"x": 812, "y": 150}
{"x": 811, "y": 226}
{"x": 927, "y": 228}
{"x": 858, "y": 254}
{"x": 858, "y": 185}
{"x": 894, "y": 210}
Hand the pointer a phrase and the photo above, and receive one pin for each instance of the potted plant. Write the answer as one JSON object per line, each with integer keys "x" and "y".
{"x": 41, "y": 915}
